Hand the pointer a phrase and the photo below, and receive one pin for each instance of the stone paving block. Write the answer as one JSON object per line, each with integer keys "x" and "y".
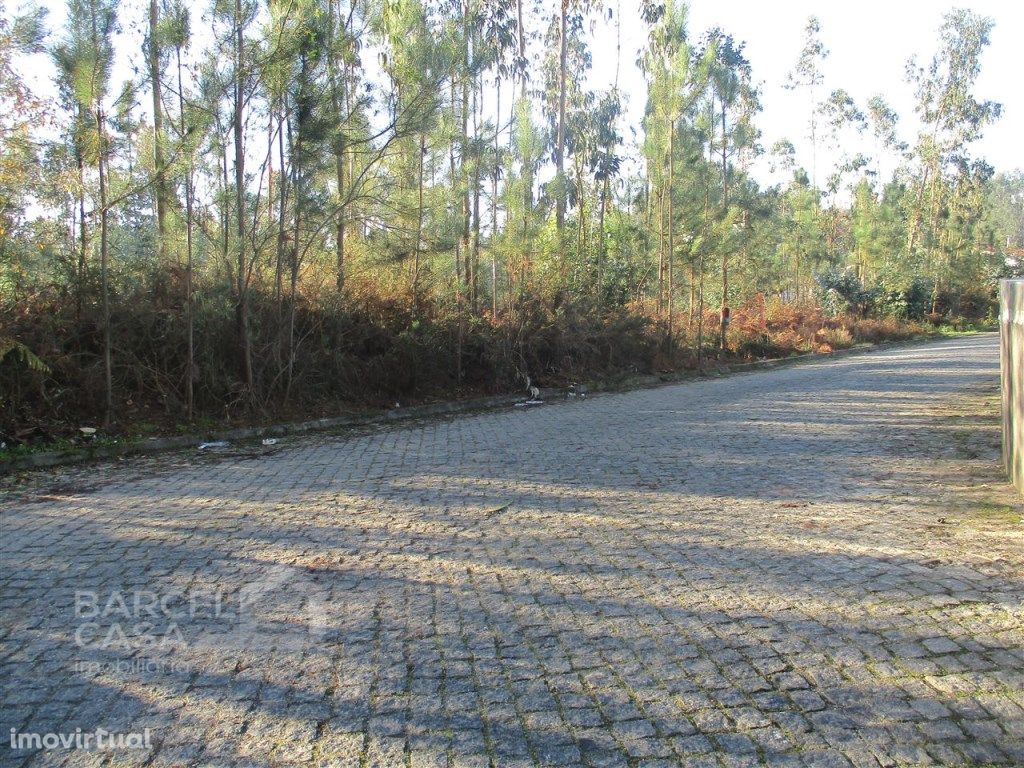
{"x": 739, "y": 571}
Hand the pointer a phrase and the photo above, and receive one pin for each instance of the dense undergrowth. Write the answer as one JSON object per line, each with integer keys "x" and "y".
{"x": 369, "y": 352}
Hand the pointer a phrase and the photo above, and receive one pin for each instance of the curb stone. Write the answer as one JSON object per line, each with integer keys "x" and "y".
{"x": 44, "y": 460}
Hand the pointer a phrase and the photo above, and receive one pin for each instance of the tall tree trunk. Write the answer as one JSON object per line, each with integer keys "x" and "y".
{"x": 160, "y": 182}
{"x": 602, "y": 248}
{"x": 242, "y": 310}
{"x": 797, "y": 281}
{"x": 671, "y": 235}
{"x": 581, "y": 191}
{"x": 521, "y": 40}
{"x": 270, "y": 159}
{"x": 933, "y": 220}
{"x": 225, "y": 218}
{"x": 661, "y": 247}
{"x": 459, "y": 243}
{"x": 700, "y": 313}
{"x": 560, "y": 138}
{"x": 527, "y": 179}
{"x": 467, "y": 211}
{"x": 83, "y": 242}
{"x": 101, "y": 158}
{"x": 282, "y": 210}
{"x": 691, "y": 305}
{"x": 340, "y": 228}
{"x": 725, "y": 251}
{"x": 339, "y": 102}
{"x": 706, "y": 232}
{"x": 108, "y": 368}
{"x": 419, "y": 227}
{"x": 298, "y": 185}
{"x": 190, "y": 377}
{"x": 453, "y": 174}
{"x": 494, "y": 201}
{"x": 601, "y": 245}
{"x": 475, "y": 279}
{"x": 918, "y": 220}
{"x": 648, "y": 217}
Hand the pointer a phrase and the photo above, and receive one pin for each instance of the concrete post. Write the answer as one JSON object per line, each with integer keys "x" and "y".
{"x": 1011, "y": 363}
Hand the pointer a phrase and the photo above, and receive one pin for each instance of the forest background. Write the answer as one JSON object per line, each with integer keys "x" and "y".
{"x": 266, "y": 210}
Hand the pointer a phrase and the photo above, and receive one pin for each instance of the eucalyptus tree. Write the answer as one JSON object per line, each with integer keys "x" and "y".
{"x": 841, "y": 111}
{"x": 842, "y": 120}
{"x": 807, "y": 76}
{"x": 130, "y": 179}
{"x": 582, "y": 144}
{"x": 566, "y": 28}
{"x": 841, "y": 115}
{"x": 782, "y": 156}
{"x": 605, "y": 163}
{"x": 951, "y": 116}
{"x": 883, "y": 121}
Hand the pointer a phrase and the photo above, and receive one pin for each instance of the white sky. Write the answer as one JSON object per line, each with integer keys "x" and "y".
{"x": 869, "y": 42}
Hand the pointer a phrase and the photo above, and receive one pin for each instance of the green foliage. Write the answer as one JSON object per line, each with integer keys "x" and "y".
{"x": 841, "y": 292}
{"x": 14, "y": 352}
{"x": 911, "y": 301}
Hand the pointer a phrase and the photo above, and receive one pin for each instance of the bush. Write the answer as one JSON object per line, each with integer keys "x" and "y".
{"x": 912, "y": 301}
{"x": 841, "y": 291}
{"x": 965, "y": 308}
{"x": 886, "y": 329}
{"x": 831, "y": 339}
{"x": 788, "y": 341}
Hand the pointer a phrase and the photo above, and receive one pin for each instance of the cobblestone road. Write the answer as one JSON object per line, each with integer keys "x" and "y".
{"x": 817, "y": 565}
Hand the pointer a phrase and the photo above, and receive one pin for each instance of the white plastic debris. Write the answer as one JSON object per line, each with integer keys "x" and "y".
{"x": 269, "y": 441}
{"x": 529, "y": 402}
{"x": 87, "y": 431}
{"x": 214, "y": 444}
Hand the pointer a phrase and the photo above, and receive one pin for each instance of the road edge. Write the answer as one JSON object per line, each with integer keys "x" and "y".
{"x": 553, "y": 395}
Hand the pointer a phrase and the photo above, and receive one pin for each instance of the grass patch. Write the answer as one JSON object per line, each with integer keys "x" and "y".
{"x": 995, "y": 512}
